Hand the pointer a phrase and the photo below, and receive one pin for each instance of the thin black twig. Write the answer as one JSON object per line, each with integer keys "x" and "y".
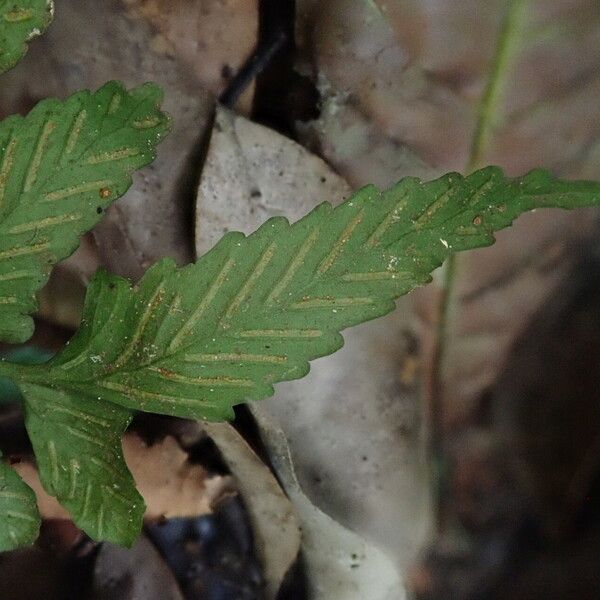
{"x": 253, "y": 67}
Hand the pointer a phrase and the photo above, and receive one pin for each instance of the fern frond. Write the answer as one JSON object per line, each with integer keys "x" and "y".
{"x": 61, "y": 166}
{"x": 194, "y": 341}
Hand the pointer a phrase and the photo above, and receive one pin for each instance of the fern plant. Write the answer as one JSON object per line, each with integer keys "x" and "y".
{"x": 193, "y": 341}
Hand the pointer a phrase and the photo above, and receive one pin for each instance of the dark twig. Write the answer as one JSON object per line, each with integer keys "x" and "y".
{"x": 253, "y": 67}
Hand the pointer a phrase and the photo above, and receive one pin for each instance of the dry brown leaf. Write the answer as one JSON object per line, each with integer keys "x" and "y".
{"x": 48, "y": 505}
{"x": 170, "y": 485}
{"x": 542, "y": 116}
{"x": 212, "y": 37}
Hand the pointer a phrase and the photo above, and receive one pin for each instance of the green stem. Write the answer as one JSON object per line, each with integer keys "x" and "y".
{"x": 508, "y": 44}
{"x": 487, "y": 114}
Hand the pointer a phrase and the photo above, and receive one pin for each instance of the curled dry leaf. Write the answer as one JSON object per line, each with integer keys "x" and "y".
{"x": 170, "y": 485}
{"x": 355, "y": 430}
{"x": 374, "y": 483}
{"x": 340, "y": 564}
{"x": 274, "y": 521}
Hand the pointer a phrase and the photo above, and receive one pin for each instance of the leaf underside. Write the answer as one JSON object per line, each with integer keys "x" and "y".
{"x": 80, "y": 461}
{"x": 60, "y": 168}
{"x": 194, "y": 341}
{"x": 19, "y": 23}
{"x": 18, "y": 511}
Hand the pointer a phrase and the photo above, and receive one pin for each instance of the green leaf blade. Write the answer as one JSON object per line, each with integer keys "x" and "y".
{"x": 19, "y": 516}
{"x": 80, "y": 461}
{"x": 195, "y": 341}
{"x": 60, "y": 168}
{"x": 255, "y": 310}
{"x": 19, "y": 23}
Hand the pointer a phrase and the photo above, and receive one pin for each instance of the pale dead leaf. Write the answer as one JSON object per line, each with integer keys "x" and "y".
{"x": 355, "y": 431}
{"x": 380, "y": 105}
{"x": 252, "y": 173}
{"x": 340, "y": 565}
{"x": 350, "y": 141}
{"x": 274, "y": 521}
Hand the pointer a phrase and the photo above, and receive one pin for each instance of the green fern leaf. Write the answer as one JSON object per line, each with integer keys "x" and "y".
{"x": 60, "y": 167}
{"x": 21, "y": 21}
{"x": 19, "y": 517}
{"x": 80, "y": 461}
{"x": 194, "y": 341}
